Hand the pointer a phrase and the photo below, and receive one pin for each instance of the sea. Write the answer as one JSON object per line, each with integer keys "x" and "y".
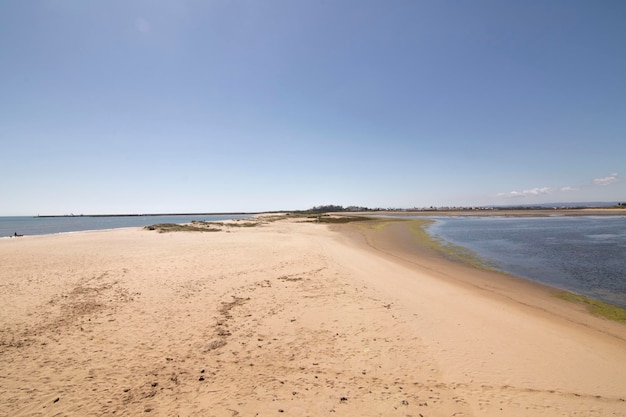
{"x": 582, "y": 254}
{"x": 28, "y": 226}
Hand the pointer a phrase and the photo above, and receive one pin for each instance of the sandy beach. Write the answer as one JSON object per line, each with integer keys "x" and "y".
{"x": 289, "y": 318}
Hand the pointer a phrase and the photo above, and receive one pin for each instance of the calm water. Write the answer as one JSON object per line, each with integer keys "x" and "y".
{"x": 50, "y": 225}
{"x": 586, "y": 255}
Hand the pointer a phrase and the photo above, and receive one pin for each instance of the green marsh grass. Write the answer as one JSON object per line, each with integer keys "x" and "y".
{"x": 173, "y": 227}
{"x": 597, "y": 307}
{"x": 338, "y": 219}
{"x": 226, "y": 224}
{"x": 418, "y": 227}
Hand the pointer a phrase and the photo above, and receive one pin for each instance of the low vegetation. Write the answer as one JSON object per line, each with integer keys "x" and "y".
{"x": 173, "y": 227}
{"x": 338, "y": 219}
{"x": 333, "y": 208}
{"x": 226, "y": 224}
{"x": 203, "y": 226}
{"x": 417, "y": 227}
{"x": 449, "y": 250}
{"x": 597, "y": 307}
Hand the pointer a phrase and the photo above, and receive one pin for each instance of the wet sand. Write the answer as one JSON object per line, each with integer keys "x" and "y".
{"x": 289, "y": 318}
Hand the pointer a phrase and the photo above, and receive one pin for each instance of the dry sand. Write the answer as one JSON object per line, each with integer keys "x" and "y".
{"x": 288, "y": 319}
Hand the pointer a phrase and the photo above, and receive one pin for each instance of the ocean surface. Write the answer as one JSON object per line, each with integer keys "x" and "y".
{"x": 585, "y": 255}
{"x": 51, "y": 225}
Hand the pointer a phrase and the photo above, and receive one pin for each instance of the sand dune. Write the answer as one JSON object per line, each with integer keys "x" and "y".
{"x": 288, "y": 318}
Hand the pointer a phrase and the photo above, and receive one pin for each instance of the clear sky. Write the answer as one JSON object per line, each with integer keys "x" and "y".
{"x": 138, "y": 106}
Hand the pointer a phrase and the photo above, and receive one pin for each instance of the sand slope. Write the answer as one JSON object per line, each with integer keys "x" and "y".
{"x": 289, "y": 319}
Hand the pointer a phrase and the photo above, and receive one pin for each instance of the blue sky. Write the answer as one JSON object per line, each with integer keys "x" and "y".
{"x": 200, "y": 106}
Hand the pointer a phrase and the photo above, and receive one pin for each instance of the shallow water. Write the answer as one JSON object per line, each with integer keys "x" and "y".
{"x": 585, "y": 255}
{"x": 50, "y": 225}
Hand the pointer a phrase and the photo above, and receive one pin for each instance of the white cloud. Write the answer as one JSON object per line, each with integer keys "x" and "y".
{"x": 525, "y": 193}
{"x": 613, "y": 178}
{"x": 597, "y": 182}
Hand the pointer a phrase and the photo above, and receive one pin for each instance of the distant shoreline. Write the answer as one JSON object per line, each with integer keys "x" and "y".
{"x": 590, "y": 211}
{"x": 147, "y": 214}
{"x": 530, "y": 211}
